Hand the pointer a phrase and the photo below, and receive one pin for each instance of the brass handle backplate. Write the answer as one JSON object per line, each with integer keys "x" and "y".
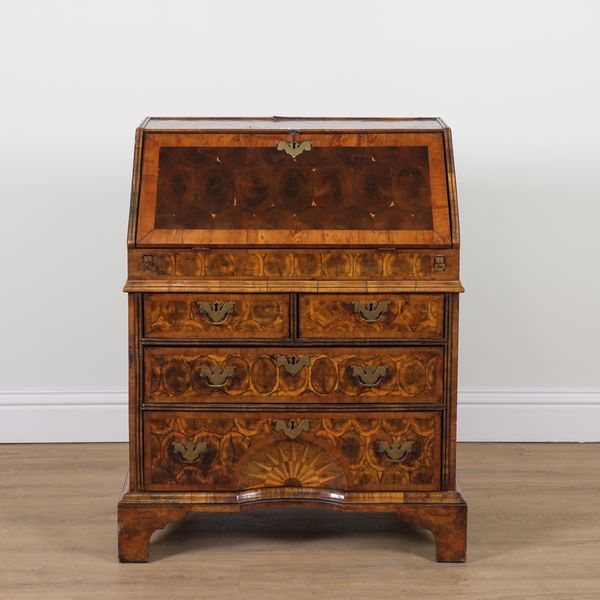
{"x": 294, "y": 148}
{"x": 395, "y": 452}
{"x": 292, "y": 364}
{"x": 189, "y": 451}
{"x": 371, "y": 312}
{"x": 218, "y": 376}
{"x": 369, "y": 376}
{"x": 292, "y": 428}
{"x": 216, "y": 313}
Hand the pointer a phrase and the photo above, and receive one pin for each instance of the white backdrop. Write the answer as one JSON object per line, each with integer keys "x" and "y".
{"x": 517, "y": 81}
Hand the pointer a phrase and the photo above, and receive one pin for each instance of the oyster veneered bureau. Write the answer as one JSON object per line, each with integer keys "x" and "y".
{"x": 293, "y": 322}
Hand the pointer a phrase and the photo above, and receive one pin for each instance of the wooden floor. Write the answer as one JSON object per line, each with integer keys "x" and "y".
{"x": 534, "y": 532}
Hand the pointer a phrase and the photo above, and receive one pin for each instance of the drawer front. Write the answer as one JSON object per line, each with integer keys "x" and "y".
{"x": 192, "y": 375}
{"x": 378, "y": 316}
{"x": 217, "y": 316}
{"x": 236, "y": 451}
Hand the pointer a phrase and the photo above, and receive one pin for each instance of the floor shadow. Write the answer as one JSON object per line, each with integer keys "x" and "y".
{"x": 231, "y": 530}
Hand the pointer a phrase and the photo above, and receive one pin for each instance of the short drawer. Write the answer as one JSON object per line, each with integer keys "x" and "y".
{"x": 217, "y": 316}
{"x": 377, "y": 316}
{"x": 335, "y": 450}
{"x": 274, "y": 375}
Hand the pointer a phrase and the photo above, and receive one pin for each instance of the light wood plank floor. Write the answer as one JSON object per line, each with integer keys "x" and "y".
{"x": 534, "y": 532}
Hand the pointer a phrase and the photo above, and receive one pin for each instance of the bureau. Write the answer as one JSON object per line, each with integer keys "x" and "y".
{"x": 293, "y": 322}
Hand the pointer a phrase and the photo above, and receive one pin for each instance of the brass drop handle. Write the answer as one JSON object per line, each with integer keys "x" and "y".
{"x": 371, "y": 312}
{"x": 292, "y": 428}
{"x": 216, "y": 313}
{"x": 189, "y": 452}
{"x": 369, "y": 376}
{"x": 218, "y": 376}
{"x": 395, "y": 452}
{"x": 292, "y": 364}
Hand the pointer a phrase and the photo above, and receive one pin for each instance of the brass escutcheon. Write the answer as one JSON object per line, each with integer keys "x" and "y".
{"x": 294, "y": 148}
{"x": 371, "y": 311}
{"x": 292, "y": 428}
{"x": 216, "y": 313}
{"x": 189, "y": 451}
{"x": 218, "y": 377}
{"x": 147, "y": 262}
{"x": 439, "y": 263}
{"x": 369, "y": 376}
{"x": 395, "y": 452}
{"x": 292, "y": 364}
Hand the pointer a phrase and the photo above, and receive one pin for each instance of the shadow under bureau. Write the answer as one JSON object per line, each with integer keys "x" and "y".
{"x": 293, "y": 322}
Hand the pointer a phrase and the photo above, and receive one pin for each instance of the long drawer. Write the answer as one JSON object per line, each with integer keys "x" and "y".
{"x": 335, "y": 450}
{"x": 380, "y": 316}
{"x": 216, "y": 316}
{"x": 275, "y": 375}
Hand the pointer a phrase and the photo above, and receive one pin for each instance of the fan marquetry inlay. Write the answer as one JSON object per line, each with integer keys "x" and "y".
{"x": 292, "y": 464}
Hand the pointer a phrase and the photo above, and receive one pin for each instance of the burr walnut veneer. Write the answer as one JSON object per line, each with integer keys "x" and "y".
{"x": 293, "y": 321}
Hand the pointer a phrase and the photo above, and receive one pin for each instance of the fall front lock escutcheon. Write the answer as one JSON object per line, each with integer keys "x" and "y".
{"x": 294, "y": 148}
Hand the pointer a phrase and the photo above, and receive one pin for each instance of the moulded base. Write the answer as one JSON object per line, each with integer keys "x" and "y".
{"x": 140, "y": 514}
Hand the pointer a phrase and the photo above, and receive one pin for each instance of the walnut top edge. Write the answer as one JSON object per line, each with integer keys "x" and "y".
{"x": 258, "y": 124}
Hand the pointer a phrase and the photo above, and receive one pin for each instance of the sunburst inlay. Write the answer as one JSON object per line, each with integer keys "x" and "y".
{"x": 292, "y": 464}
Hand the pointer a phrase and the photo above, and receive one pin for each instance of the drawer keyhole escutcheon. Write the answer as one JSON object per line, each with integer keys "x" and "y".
{"x": 216, "y": 313}
{"x": 292, "y": 428}
{"x": 189, "y": 451}
{"x": 218, "y": 376}
{"x": 294, "y": 148}
{"x": 371, "y": 312}
{"x": 369, "y": 376}
{"x": 396, "y": 452}
{"x": 292, "y": 364}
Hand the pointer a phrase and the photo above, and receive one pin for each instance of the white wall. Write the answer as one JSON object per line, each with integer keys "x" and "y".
{"x": 517, "y": 81}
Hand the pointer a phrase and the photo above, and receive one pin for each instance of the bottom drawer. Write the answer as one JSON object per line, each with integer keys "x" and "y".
{"x": 230, "y": 451}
